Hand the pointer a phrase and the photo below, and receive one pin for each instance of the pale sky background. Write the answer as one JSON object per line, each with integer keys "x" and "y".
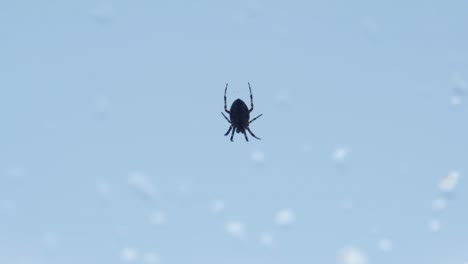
{"x": 112, "y": 146}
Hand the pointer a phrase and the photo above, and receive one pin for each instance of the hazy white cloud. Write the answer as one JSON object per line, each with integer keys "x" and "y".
{"x": 351, "y": 255}
{"x": 285, "y": 217}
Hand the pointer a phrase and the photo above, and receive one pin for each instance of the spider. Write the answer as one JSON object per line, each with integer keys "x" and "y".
{"x": 239, "y": 116}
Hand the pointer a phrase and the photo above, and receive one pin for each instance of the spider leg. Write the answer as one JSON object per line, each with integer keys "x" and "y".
{"x": 246, "y": 138}
{"x": 229, "y": 130}
{"x": 225, "y": 105}
{"x": 251, "y": 99}
{"x": 232, "y": 135}
{"x": 253, "y": 135}
{"x": 255, "y": 118}
{"x": 226, "y": 117}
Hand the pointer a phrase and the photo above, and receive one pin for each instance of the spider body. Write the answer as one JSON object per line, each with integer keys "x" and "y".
{"x": 239, "y": 116}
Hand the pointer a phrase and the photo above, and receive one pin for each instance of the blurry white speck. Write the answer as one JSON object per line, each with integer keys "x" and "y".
{"x": 459, "y": 84}
{"x": 370, "y": 25}
{"x": 439, "y": 204}
{"x": 351, "y": 255}
{"x": 142, "y": 184}
{"x": 217, "y": 206}
{"x": 158, "y": 218}
{"x": 184, "y": 188}
{"x": 15, "y": 172}
{"x": 128, "y": 254}
{"x": 266, "y": 239}
{"x": 306, "y": 148}
{"x": 374, "y": 230}
{"x": 151, "y": 258}
{"x": 285, "y": 217}
{"x": 283, "y": 99}
{"x": 456, "y": 100}
{"x": 340, "y": 154}
{"x": 385, "y": 245}
{"x": 102, "y": 105}
{"x": 258, "y": 156}
{"x": 235, "y": 229}
{"x": 103, "y": 13}
{"x": 434, "y": 225}
{"x": 7, "y": 205}
{"x": 104, "y": 188}
{"x": 348, "y": 205}
{"x": 449, "y": 182}
{"x": 50, "y": 240}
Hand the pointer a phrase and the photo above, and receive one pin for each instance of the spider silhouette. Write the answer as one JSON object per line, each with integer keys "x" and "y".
{"x": 239, "y": 116}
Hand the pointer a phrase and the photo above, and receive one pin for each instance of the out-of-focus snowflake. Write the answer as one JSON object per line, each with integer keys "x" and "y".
{"x": 456, "y": 100}
{"x": 347, "y": 205}
{"x": 340, "y": 154}
{"x": 217, "y": 206}
{"x": 459, "y": 87}
{"x": 459, "y": 84}
{"x": 266, "y": 239}
{"x": 158, "y": 218}
{"x": 102, "y": 106}
{"x": 449, "y": 182}
{"x": 439, "y": 204}
{"x": 258, "y": 156}
{"x": 7, "y": 205}
{"x": 142, "y": 184}
{"x": 385, "y": 245}
{"x": 283, "y": 99}
{"x": 434, "y": 225}
{"x": 50, "y": 240}
{"x": 235, "y": 229}
{"x": 103, "y": 13}
{"x": 15, "y": 172}
{"x": 351, "y": 255}
{"x": 306, "y": 148}
{"x": 104, "y": 188}
{"x": 184, "y": 188}
{"x": 285, "y": 217}
{"x": 151, "y": 258}
{"x": 128, "y": 254}
{"x": 374, "y": 230}
{"x": 370, "y": 25}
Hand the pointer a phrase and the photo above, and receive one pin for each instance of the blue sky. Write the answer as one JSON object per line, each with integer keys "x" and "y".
{"x": 112, "y": 146}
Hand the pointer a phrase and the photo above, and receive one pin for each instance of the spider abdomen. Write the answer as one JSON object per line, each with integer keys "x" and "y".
{"x": 239, "y": 115}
